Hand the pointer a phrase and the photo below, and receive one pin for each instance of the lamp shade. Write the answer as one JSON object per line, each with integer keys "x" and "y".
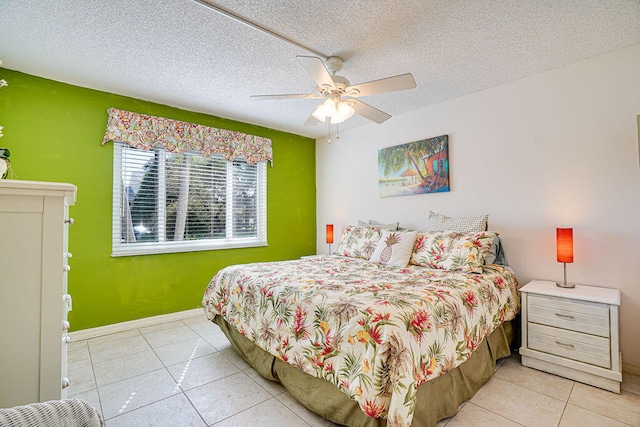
{"x": 337, "y": 110}
{"x": 564, "y": 244}
{"x": 329, "y": 234}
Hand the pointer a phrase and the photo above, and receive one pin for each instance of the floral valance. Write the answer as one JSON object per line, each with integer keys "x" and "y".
{"x": 147, "y": 132}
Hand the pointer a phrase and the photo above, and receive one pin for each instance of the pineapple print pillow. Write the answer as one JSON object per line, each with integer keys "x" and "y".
{"x": 452, "y": 250}
{"x": 358, "y": 242}
{"x": 394, "y": 248}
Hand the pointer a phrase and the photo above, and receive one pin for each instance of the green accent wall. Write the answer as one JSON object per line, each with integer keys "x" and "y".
{"x": 54, "y": 131}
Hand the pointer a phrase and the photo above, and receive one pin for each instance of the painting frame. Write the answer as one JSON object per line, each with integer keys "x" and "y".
{"x": 418, "y": 167}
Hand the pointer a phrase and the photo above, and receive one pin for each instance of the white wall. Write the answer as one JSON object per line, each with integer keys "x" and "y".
{"x": 559, "y": 149}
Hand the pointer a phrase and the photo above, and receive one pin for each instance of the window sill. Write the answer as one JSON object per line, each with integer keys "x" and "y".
{"x": 155, "y": 248}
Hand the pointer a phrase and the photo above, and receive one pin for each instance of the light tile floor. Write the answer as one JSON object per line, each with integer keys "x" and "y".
{"x": 185, "y": 373}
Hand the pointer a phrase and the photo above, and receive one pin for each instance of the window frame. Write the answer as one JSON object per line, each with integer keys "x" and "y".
{"x": 119, "y": 248}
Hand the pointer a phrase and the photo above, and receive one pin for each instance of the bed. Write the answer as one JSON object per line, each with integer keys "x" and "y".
{"x": 366, "y": 343}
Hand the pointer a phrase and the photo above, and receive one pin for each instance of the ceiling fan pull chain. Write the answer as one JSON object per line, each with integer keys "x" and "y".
{"x": 337, "y": 131}
{"x": 329, "y": 140}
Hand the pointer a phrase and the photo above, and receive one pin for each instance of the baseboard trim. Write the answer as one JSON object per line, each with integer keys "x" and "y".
{"x": 138, "y": 323}
{"x": 631, "y": 368}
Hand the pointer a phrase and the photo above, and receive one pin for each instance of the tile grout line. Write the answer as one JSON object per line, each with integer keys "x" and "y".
{"x": 202, "y": 338}
{"x": 93, "y": 372}
{"x": 195, "y": 409}
{"x": 260, "y": 403}
{"x": 118, "y": 357}
{"x": 181, "y": 390}
{"x": 573, "y": 383}
{"x": 272, "y": 395}
{"x": 124, "y": 379}
{"x": 577, "y": 404}
{"x": 488, "y": 410}
{"x": 534, "y": 391}
{"x": 95, "y": 381}
{"x": 149, "y": 404}
{"x": 240, "y": 371}
{"x": 566, "y": 403}
{"x": 517, "y": 385}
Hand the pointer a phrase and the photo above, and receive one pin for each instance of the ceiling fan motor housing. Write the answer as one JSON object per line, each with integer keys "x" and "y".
{"x": 334, "y": 64}
{"x": 340, "y": 85}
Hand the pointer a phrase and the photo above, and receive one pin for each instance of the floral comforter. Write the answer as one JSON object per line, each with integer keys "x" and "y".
{"x": 376, "y": 332}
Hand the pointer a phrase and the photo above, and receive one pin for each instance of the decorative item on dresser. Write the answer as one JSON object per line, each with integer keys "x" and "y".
{"x": 572, "y": 332}
{"x": 4, "y": 161}
{"x": 4, "y": 152}
{"x": 3, "y": 83}
{"x": 33, "y": 290}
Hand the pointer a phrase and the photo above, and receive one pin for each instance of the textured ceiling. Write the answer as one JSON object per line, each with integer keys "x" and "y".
{"x": 183, "y": 54}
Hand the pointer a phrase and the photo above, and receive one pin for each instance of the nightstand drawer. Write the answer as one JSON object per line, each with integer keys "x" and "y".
{"x": 581, "y": 316}
{"x": 572, "y": 345}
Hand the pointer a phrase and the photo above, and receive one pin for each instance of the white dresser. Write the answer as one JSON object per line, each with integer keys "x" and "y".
{"x": 572, "y": 332}
{"x": 33, "y": 290}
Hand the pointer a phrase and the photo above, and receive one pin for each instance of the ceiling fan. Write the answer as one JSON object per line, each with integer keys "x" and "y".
{"x": 340, "y": 103}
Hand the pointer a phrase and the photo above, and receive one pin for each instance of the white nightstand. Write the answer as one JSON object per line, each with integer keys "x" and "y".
{"x": 572, "y": 332}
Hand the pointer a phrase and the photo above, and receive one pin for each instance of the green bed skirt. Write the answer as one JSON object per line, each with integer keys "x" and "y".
{"x": 436, "y": 399}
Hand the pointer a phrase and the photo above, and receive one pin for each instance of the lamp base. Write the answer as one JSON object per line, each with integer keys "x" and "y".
{"x": 565, "y": 285}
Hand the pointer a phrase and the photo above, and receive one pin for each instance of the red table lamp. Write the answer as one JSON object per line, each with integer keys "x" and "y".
{"x": 329, "y": 234}
{"x": 564, "y": 248}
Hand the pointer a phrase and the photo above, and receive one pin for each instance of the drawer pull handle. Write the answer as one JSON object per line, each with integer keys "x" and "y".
{"x": 566, "y": 316}
{"x": 67, "y": 299}
{"x": 564, "y": 344}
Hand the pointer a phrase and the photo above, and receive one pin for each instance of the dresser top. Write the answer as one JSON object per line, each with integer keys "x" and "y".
{"x": 38, "y": 188}
{"x": 580, "y": 292}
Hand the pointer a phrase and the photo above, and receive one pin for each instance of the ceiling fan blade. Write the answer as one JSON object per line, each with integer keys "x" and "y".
{"x": 371, "y": 113}
{"x": 316, "y": 69}
{"x": 389, "y": 84}
{"x": 289, "y": 96}
{"x": 311, "y": 121}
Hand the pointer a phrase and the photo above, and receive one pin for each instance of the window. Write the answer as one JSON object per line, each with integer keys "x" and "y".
{"x": 179, "y": 202}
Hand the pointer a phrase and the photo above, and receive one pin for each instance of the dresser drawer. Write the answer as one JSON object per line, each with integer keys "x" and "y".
{"x": 569, "y": 344}
{"x": 588, "y": 317}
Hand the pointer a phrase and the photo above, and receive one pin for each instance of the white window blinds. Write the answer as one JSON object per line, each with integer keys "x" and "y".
{"x": 179, "y": 202}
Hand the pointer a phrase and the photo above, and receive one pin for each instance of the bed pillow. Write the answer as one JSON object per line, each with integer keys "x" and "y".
{"x": 392, "y": 226}
{"x": 452, "y": 250}
{"x": 439, "y": 222}
{"x": 394, "y": 248}
{"x": 358, "y": 241}
{"x": 496, "y": 253}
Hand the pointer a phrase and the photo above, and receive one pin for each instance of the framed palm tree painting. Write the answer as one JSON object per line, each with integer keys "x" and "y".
{"x": 414, "y": 168}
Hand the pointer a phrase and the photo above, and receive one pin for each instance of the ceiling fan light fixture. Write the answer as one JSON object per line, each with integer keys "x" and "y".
{"x": 337, "y": 110}
{"x": 345, "y": 110}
